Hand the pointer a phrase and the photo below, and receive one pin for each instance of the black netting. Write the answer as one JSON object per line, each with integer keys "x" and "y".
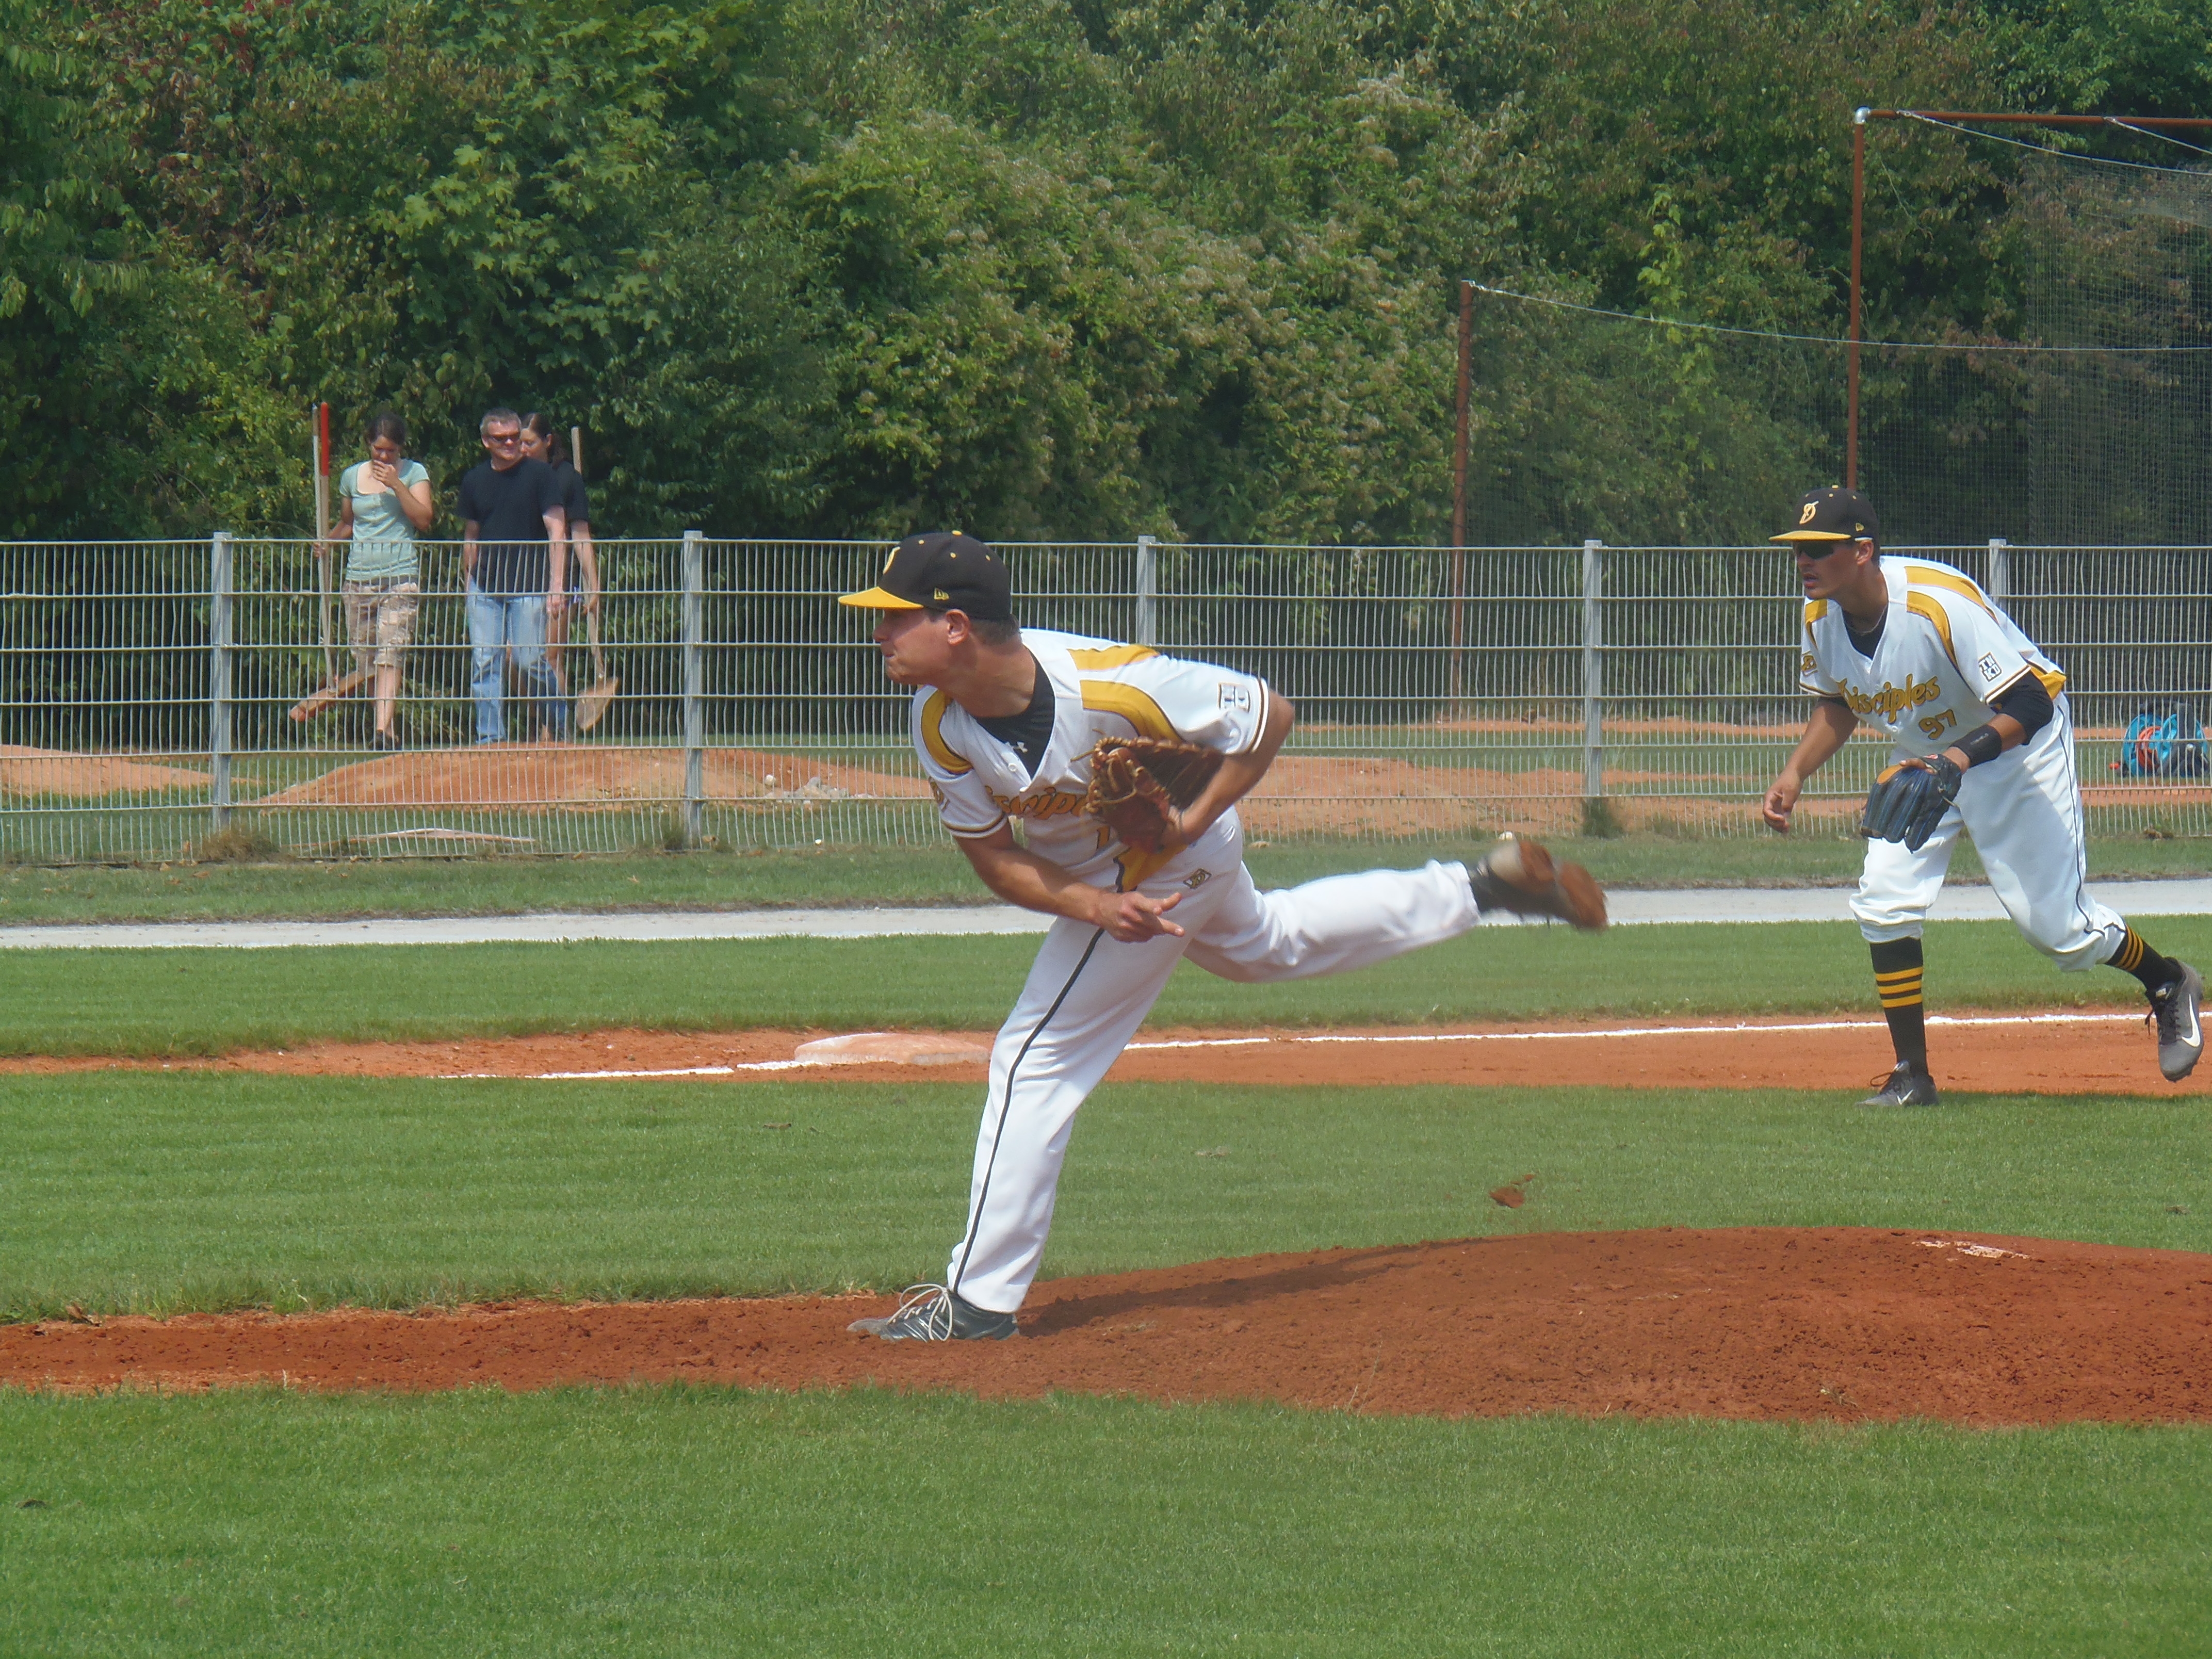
{"x": 2075, "y": 409}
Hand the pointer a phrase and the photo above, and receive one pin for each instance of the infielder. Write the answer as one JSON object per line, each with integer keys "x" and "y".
{"x": 1983, "y": 744}
{"x": 1005, "y": 720}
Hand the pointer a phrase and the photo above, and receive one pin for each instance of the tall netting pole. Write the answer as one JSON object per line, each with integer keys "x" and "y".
{"x": 1858, "y": 243}
{"x": 1459, "y": 486}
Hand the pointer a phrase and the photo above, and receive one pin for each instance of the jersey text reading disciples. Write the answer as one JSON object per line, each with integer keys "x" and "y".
{"x": 1004, "y": 719}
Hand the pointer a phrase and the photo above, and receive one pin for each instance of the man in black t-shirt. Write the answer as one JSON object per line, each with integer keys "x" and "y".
{"x": 514, "y": 555}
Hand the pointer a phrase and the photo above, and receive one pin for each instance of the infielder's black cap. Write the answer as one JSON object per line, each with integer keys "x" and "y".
{"x": 1833, "y": 515}
{"x": 941, "y": 571}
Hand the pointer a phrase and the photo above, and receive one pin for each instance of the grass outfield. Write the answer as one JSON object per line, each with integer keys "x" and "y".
{"x": 131, "y": 1192}
{"x": 201, "y": 1002}
{"x": 653, "y": 1521}
{"x": 671, "y": 1521}
{"x": 841, "y": 876}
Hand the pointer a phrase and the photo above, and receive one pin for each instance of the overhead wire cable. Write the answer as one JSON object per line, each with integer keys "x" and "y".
{"x": 1824, "y": 339}
{"x": 2126, "y": 126}
{"x": 2050, "y": 150}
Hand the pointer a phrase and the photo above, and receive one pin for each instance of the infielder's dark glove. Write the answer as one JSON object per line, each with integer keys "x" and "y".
{"x": 1908, "y": 799}
{"x": 1138, "y": 784}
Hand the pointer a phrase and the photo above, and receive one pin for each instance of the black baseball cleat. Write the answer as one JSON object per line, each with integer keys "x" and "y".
{"x": 1523, "y": 877}
{"x": 1907, "y": 1085}
{"x": 2173, "y": 1014}
{"x": 931, "y": 1313}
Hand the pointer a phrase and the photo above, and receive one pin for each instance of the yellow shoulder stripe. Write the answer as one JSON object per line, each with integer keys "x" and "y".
{"x": 1113, "y": 656}
{"x": 1921, "y": 605}
{"x": 1110, "y": 697}
{"x": 1949, "y": 584}
{"x": 1814, "y": 609}
{"x": 933, "y": 721}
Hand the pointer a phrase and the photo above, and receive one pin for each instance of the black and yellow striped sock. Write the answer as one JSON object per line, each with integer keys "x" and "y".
{"x": 1897, "y": 964}
{"x": 2134, "y": 956}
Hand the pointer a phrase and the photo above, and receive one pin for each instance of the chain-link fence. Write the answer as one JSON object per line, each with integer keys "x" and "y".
{"x": 151, "y": 693}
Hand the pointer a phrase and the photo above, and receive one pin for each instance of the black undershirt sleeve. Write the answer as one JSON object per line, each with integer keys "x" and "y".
{"x": 2028, "y": 702}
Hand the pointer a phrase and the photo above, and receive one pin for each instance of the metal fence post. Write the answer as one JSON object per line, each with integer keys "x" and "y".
{"x": 1999, "y": 585}
{"x": 1147, "y": 631}
{"x": 1593, "y": 670}
{"x": 695, "y": 687}
{"x": 219, "y": 585}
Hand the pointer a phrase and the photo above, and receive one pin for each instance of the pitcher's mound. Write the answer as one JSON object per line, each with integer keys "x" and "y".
{"x": 1753, "y": 1322}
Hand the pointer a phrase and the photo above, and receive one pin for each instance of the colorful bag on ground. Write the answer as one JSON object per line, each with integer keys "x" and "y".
{"x": 2162, "y": 742}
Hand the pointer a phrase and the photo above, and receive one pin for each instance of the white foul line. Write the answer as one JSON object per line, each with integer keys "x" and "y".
{"x": 1739, "y": 1028}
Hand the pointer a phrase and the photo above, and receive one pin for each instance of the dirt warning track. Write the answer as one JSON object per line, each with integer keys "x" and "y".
{"x": 1844, "y": 1323}
{"x": 2064, "y": 1054}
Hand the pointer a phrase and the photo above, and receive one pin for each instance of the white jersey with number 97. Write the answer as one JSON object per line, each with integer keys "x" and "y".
{"x": 1946, "y": 655}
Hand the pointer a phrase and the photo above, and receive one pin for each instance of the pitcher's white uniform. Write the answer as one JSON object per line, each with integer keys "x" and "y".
{"x": 1945, "y": 653}
{"x": 1088, "y": 993}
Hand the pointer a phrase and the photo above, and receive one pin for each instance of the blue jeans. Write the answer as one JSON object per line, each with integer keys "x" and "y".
{"x": 504, "y": 628}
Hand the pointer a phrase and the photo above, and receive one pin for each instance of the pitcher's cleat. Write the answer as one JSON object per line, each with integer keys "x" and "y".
{"x": 1523, "y": 877}
{"x": 932, "y": 1314}
{"x": 2173, "y": 1014}
{"x": 1908, "y": 1085}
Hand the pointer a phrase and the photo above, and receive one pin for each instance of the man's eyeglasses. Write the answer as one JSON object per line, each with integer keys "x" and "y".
{"x": 502, "y": 438}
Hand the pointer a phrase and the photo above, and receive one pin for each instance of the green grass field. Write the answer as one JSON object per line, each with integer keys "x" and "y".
{"x": 129, "y": 1193}
{"x": 834, "y": 876}
{"x": 155, "y": 1002}
{"x": 710, "y": 1521}
{"x": 716, "y": 1521}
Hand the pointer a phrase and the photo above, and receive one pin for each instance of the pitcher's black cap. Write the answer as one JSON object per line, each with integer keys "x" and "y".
{"x": 1833, "y": 515}
{"x": 941, "y": 571}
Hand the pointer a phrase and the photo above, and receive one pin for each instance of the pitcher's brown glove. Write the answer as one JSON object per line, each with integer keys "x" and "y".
{"x": 1138, "y": 785}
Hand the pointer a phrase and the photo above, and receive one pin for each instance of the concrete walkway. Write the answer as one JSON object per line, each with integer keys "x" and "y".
{"x": 1738, "y": 904}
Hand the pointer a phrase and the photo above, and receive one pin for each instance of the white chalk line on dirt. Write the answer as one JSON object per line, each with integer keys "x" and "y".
{"x": 1738, "y": 1029}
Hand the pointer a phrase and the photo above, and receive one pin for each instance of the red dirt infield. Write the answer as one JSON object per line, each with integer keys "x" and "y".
{"x": 2088, "y": 1051}
{"x": 1753, "y": 1323}
{"x": 1841, "y": 1323}
{"x": 1304, "y": 793}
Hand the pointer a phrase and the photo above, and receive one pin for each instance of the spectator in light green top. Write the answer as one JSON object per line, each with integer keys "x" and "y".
{"x": 382, "y": 502}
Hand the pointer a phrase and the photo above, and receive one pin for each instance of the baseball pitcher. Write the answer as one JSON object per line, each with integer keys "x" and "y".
{"x": 1984, "y": 743}
{"x": 1125, "y": 767}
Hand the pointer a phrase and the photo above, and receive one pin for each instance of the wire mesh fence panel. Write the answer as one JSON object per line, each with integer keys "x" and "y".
{"x": 157, "y": 696}
{"x": 1700, "y": 700}
{"x": 1433, "y": 686}
{"x": 485, "y": 684}
{"x": 103, "y": 696}
{"x": 2132, "y": 627}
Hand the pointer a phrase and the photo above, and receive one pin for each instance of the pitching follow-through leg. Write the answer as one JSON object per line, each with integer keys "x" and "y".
{"x": 1330, "y": 926}
{"x": 1085, "y": 996}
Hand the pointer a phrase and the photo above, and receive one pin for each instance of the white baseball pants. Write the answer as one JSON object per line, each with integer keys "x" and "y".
{"x": 2024, "y": 811}
{"x": 1087, "y": 994}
